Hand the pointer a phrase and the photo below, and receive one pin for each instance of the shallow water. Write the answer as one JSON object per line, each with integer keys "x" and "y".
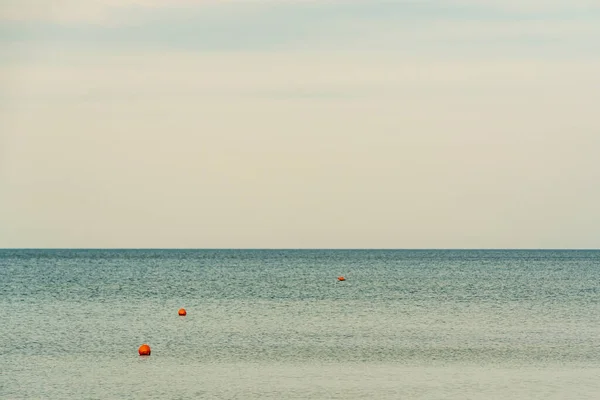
{"x": 275, "y": 324}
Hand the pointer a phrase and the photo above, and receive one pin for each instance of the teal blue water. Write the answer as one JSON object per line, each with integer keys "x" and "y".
{"x": 276, "y": 324}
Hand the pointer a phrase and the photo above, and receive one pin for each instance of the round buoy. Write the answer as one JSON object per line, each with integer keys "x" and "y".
{"x": 144, "y": 350}
{"x": 182, "y": 312}
{"x": 341, "y": 278}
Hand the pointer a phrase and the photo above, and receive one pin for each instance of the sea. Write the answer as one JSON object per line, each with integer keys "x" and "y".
{"x": 277, "y": 324}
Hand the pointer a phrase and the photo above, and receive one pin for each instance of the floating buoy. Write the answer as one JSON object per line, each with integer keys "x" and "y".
{"x": 144, "y": 350}
{"x": 341, "y": 278}
{"x": 182, "y": 312}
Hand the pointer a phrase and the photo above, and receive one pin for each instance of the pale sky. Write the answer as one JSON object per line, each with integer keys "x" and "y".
{"x": 300, "y": 124}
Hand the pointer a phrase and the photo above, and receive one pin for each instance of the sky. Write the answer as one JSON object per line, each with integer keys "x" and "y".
{"x": 299, "y": 124}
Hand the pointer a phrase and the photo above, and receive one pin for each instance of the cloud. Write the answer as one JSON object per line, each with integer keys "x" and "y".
{"x": 149, "y": 149}
{"x": 104, "y": 11}
{"x": 111, "y": 11}
{"x": 347, "y": 147}
{"x": 528, "y": 6}
{"x": 410, "y": 28}
{"x": 355, "y": 123}
{"x": 77, "y": 11}
{"x": 243, "y": 73}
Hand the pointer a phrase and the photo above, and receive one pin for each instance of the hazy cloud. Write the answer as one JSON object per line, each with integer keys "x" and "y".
{"x": 301, "y": 124}
{"x": 109, "y": 11}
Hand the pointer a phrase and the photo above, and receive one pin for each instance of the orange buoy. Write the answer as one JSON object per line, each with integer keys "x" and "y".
{"x": 341, "y": 278}
{"x": 144, "y": 350}
{"x": 182, "y": 312}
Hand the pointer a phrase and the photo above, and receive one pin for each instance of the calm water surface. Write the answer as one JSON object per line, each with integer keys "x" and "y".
{"x": 275, "y": 324}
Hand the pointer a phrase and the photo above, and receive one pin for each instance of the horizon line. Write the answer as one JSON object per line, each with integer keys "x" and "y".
{"x": 310, "y": 248}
